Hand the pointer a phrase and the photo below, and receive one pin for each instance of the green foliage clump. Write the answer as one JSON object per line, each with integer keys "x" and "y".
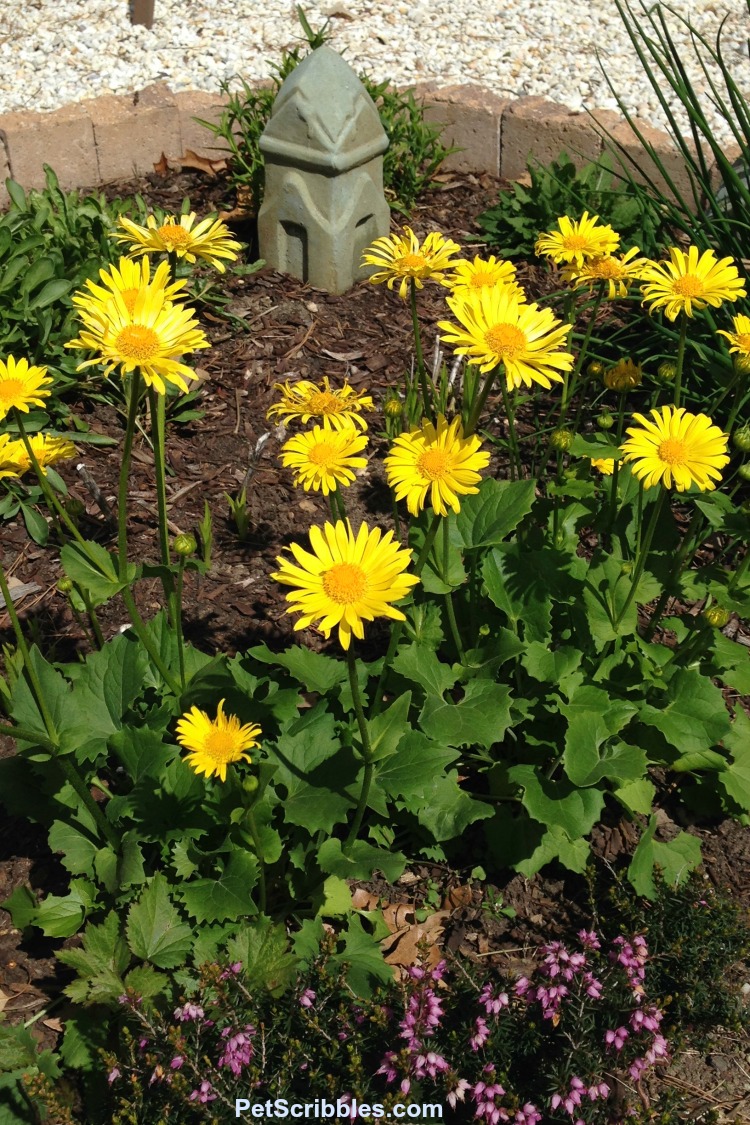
{"x": 514, "y": 224}
{"x": 414, "y": 151}
{"x": 51, "y": 243}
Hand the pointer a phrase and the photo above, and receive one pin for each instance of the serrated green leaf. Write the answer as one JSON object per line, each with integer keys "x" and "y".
{"x": 480, "y": 718}
{"x": 360, "y": 860}
{"x": 267, "y": 960}
{"x": 225, "y": 897}
{"x": 514, "y": 589}
{"x": 676, "y": 859}
{"x": 735, "y": 780}
{"x": 593, "y": 718}
{"x": 154, "y": 929}
{"x": 637, "y": 796}
{"x": 693, "y": 717}
{"x": 421, "y": 666}
{"x": 99, "y": 964}
{"x": 550, "y": 665}
{"x": 363, "y": 956}
{"x": 314, "y": 670}
{"x": 77, "y": 846}
{"x": 94, "y": 570}
{"x": 447, "y": 809}
{"x": 487, "y": 518}
{"x": 410, "y": 771}
{"x": 18, "y": 1047}
{"x": 316, "y": 769}
{"x": 386, "y": 729}
{"x": 61, "y": 916}
{"x": 559, "y": 803}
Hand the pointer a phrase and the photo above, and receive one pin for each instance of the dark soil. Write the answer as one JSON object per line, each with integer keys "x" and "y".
{"x": 294, "y": 331}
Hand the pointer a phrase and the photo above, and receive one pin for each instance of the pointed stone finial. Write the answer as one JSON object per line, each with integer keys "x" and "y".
{"x": 323, "y": 148}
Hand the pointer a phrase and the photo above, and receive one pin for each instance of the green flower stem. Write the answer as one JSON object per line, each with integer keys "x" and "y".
{"x": 332, "y": 506}
{"x": 92, "y": 616}
{"x": 739, "y": 573}
{"x": 76, "y": 782}
{"x": 680, "y": 358}
{"x": 421, "y": 369}
{"x": 122, "y": 495}
{"x": 616, "y": 469}
{"x": 56, "y": 508}
{"x": 340, "y": 503}
{"x": 398, "y": 626}
{"x": 571, "y": 381}
{"x": 510, "y": 410}
{"x": 141, "y": 632}
{"x": 450, "y": 608}
{"x": 364, "y": 733}
{"x": 158, "y": 412}
{"x": 178, "y": 619}
{"x": 252, "y": 825}
{"x": 23, "y": 648}
{"x": 479, "y": 400}
{"x": 27, "y": 735}
{"x": 737, "y": 403}
{"x": 643, "y": 553}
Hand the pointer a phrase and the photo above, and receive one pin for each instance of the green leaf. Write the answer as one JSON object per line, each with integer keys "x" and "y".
{"x": 154, "y": 929}
{"x": 555, "y": 844}
{"x": 61, "y": 916}
{"x": 593, "y": 718}
{"x": 99, "y": 964}
{"x": 315, "y": 769}
{"x": 142, "y": 751}
{"x": 360, "y": 860}
{"x": 22, "y": 907}
{"x": 637, "y": 796}
{"x": 363, "y": 956}
{"x": 76, "y": 844}
{"x": 676, "y": 859}
{"x": 225, "y": 897}
{"x": 49, "y": 294}
{"x": 595, "y": 448}
{"x": 420, "y": 665}
{"x": 447, "y": 810}
{"x": 551, "y": 666}
{"x": 497, "y": 509}
{"x": 312, "y": 669}
{"x": 267, "y": 961}
{"x": 694, "y": 716}
{"x": 386, "y": 729}
{"x": 35, "y": 524}
{"x": 481, "y": 718}
{"x": 410, "y": 771}
{"x": 94, "y": 570}
{"x": 18, "y": 1047}
{"x": 514, "y": 588}
{"x": 559, "y": 803}
{"x": 735, "y": 780}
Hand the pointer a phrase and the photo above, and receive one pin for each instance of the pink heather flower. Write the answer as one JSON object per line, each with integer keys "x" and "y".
{"x": 593, "y": 986}
{"x": 481, "y": 1034}
{"x": 457, "y": 1093}
{"x": 659, "y": 1049}
{"x": 189, "y": 1012}
{"x": 416, "y": 972}
{"x": 307, "y": 998}
{"x": 177, "y": 1062}
{"x": 647, "y": 1021}
{"x": 142, "y": 1044}
{"x": 528, "y": 1114}
{"x": 589, "y": 939}
{"x": 559, "y": 962}
{"x": 439, "y": 971}
{"x": 551, "y": 999}
{"x": 523, "y": 986}
{"x": 234, "y": 970}
{"x": 430, "y": 1064}
{"x": 238, "y": 1049}
{"x": 616, "y": 1038}
{"x": 493, "y": 1005}
{"x": 598, "y": 1090}
{"x": 114, "y": 1073}
{"x": 203, "y": 1094}
{"x": 405, "y": 1086}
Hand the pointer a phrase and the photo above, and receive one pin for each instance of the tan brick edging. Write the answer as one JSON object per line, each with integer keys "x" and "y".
{"x": 115, "y": 137}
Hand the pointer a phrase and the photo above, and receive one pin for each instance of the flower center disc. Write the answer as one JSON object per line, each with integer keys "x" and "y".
{"x": 575, "y": 242}
{"x": 505, "y": 340}
{"x": 129, "y": 297}
{"x": 11, "y": 390}
{"x": 606, "y": 269}
{"x": 743, "y": 342}
{"x": 433, "y": 463}
{"x": 323, "y": 403}
{"x": 481, "y": 279}
{"x": 672, "y": 452}
{"x": 174, "y": 235}
{"x": 413, "y": 262}
{"x": 220, "y": 745}
{"x": 137, "y": 342}
{"x": 345, "y": 583}
{"x": 322, "y": 453}
{"x": 688, "y": 286}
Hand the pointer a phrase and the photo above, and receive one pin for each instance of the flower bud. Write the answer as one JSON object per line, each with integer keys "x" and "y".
{"x": 716, "y": 616}
{"x": 742, "y": 364}
{"x": 393, "y": 408}
{"x": 626, "y": 568}
{"x": 744, "y": 471}
{"x": 667, "y": 371}
{"x": 250, "y": 785}
{"x": 75, "y": 508}
{"x": 623, "y": 376}
{"x": 561, "y": 439}
{"x": 185, "y": 545}
{"x": 64, "y": 585}
{"x": 605, "y": 421}
{"x": 595, "y": 369}
{"x": 741, "y": 438}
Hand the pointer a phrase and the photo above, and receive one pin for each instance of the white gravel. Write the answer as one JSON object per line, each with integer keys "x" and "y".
{"x": 60, "y": 51}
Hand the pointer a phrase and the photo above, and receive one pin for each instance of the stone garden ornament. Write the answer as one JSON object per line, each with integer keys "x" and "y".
{"x": 323, "y": 148}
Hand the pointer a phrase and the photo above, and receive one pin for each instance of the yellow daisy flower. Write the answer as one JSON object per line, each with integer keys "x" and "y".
{"x": 22, "y": 385}
{"x": 216, "y": 743}
{"x": 435, "y": 459}
{"x": 323, "y": 458}
{"x": 15, "y": 460}
{"x": 346, "y": 580}
{"x": 604, "y": 465}
{"x": 577, "y": 241}
{"x": 623, "y": 376}
{"x": 403, "y": 259}
{"x": 690, "y": 281}
{"x": 127, "y": 278}
{"x": 617, "y": 272}
{"x": 484, "y": 274}
{"x": 675, "y": 447}
{"x": 150, "y": 336}
{"x": 499, "y": 328}
{"x": 740, "y": 338}
{"x": 305, "y": 400}
{"x": 209, "y": 240}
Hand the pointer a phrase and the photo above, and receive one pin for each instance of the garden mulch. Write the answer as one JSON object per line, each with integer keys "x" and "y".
{"x": 294, "y": 331}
